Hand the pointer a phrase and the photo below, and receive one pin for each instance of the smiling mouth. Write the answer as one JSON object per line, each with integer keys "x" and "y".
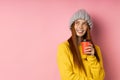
{"x": 81, "y": 31}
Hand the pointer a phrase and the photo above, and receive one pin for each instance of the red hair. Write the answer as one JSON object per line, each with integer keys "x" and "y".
{"x": 73, "y": 42}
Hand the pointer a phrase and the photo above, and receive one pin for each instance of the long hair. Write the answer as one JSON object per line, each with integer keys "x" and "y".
{"x": 73, "y": 42}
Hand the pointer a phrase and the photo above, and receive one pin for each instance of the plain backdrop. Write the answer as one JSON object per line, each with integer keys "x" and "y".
{"x": 30, "y": 31}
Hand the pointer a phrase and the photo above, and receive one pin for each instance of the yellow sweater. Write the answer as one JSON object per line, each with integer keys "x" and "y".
{"x": 68, "y": 71}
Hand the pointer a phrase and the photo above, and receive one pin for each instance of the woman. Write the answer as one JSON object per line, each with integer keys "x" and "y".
{"x": 72, "y": 63}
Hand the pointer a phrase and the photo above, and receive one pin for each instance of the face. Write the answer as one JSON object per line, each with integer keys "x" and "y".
{"x": 80, "y": 27}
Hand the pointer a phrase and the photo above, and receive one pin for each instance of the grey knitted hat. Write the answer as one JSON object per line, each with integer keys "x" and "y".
{"x": 81, "y": 14}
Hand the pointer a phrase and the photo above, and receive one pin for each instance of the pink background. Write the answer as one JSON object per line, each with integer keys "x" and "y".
{"x": 30, "y": 31}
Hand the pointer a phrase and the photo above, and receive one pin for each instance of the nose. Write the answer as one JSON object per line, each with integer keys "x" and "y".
{"x": 80, "y": 26}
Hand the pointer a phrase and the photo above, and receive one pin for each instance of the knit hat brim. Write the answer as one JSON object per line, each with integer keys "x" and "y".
{"x": 81, "y": 14}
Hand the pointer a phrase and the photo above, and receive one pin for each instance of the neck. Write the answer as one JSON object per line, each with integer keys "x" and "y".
{"x": 79, "y": 39}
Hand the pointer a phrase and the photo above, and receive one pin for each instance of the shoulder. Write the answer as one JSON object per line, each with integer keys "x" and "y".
{"x": 63, "y": 48}
{"x": 64, "y": 44}
{"x": 98, "y": 50}
{"x": 97, "y": 47}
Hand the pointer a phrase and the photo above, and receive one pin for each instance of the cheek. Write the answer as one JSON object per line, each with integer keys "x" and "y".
{"x": 85, "y": 28}
{"x": 75, "y": 28}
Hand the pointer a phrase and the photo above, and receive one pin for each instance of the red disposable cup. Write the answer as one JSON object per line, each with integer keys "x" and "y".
{"x": 84, "y": 44}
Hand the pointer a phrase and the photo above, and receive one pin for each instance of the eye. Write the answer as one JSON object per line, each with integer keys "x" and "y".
{"x": 85, "y": 24}
{"x": 77, "y": 22}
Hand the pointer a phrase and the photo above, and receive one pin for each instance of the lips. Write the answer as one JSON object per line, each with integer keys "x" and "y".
{"x": 80, "y": 31}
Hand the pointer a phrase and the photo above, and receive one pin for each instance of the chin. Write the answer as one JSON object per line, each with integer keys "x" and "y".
{"x": 79, "y": 35}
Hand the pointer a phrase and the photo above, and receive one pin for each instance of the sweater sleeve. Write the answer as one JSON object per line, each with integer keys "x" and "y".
{"x": 97, "y": 69}
{"x": 65, "y": 66}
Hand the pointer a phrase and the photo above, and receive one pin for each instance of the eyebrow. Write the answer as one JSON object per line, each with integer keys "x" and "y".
{"x": 84, "y": 22}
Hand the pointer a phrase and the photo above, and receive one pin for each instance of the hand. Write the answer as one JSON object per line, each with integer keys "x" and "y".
{"x": 89, "y": 50}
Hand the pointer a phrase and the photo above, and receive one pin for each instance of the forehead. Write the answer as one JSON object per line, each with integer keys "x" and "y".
{"x": 81, "y": 20}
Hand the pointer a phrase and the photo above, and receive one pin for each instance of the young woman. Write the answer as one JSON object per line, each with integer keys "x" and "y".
{"x": 73, "y": 64}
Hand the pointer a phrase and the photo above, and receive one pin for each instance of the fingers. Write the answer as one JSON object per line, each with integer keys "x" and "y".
{"x": 89, "y": 50}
